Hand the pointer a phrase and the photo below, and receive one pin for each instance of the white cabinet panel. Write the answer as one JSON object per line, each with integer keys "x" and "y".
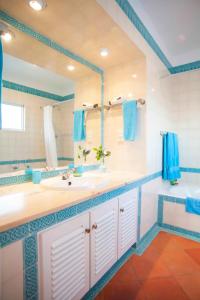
{"x": 11, "y": 272}
{"x": 104, "y": 229}
{"x": 64, "y": 260}
{"x": 128, "y": 212}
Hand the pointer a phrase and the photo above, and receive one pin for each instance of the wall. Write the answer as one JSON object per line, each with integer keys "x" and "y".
{"x": 186, "y": 107}
{"x": 119, "y": 81}
{"x": 88, "y": 89}
{"x": 29, "y": 144}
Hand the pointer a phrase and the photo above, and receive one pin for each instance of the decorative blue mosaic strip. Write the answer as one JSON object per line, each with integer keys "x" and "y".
{"x": 68, "y": 97}
{"x": 14, "y": 234}
{"x": 147, "y": 239}
{"x": 184, "y": 232}
{"x": 31, "y": 283}
{"x": 30, "y": 251}
{"x": 32, "y": 91}
{"x": 39, "y": 224}
{"x": 186, "y": 67}
{"x": 135, "y": 20}
{"x": 45, "y": 40}
{"x": 36, "y": 160}
{"x": 15, "y": 179}
{"x": 190, "y": 170}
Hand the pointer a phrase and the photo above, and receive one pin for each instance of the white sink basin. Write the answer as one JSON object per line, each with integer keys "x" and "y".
{"x": 87, "y": 181}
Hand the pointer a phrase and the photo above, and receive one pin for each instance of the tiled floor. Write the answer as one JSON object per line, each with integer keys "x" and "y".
{"x": 168, "y": 270}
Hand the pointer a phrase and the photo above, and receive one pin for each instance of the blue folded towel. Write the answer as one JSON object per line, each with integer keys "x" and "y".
{"x": 171, "y": 170}
{"x": 79, "y": 126}
{"x": 193, "y": 206}
{"x": 129, "y": 119}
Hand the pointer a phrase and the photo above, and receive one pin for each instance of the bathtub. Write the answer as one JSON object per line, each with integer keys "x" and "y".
{"x": 181, "y": 191}
{"x": 172, "y": 211}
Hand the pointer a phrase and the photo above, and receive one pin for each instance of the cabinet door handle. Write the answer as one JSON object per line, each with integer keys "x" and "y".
{"x": 94, "y": 226}
{"x": 87, "y": 230}
{"x": 121, "y": 210}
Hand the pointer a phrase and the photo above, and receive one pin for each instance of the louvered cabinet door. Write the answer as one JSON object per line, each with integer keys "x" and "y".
{"x": 64, "y": 260}
{"x": 128, "y": 211}
{"x": 104, "y": 223}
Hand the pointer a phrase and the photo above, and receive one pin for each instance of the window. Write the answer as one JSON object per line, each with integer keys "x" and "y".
{"x": 13, "y": 117}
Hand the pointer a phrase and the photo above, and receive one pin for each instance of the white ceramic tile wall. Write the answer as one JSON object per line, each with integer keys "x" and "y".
{"x": 11, "y": 270}
{"x": 149, "y": 205}
{"x": 186, "y": 106}
{"x": 175, "y": 214}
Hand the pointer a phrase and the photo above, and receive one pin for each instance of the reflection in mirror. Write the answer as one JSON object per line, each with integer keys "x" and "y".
{"x": 42, "y": 91}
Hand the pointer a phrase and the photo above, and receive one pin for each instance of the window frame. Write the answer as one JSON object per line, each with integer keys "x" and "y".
{"x": 23, "y": 123}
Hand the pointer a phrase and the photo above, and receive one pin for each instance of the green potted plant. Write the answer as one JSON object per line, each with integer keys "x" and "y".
{"x": 83, "y": 153}
{"x": 101, "y": 154}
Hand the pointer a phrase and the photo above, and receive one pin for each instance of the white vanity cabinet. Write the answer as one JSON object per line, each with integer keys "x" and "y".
{"x": 128, "y": 215}
{"x": 76, "y": 253}
{"x": 64, "y": 260}
{"x": 104, "y": 231}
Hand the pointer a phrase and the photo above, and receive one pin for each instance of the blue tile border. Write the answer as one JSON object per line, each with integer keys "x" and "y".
{"x": 48, "y": 42}
{"x": 186, "y": 67}
{"x": 136, "y": 21}
{"x": 39, "y": 224}
{"x": 184, "y": 232}
{"x": 146, "y": 240}
{"x": 35, "y": 160}
{"x": 36, "y": 92}
{"x": 28, "y": 233}
{"x": 190, "y": 170}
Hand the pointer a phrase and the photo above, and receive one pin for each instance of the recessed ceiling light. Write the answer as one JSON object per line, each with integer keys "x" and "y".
{"x": 130, "y": 95}
{"x": 104, "y": 52}
{"x": 37, "y": 4}
{"x": 5, "y": 33}
{"x": 70, "y": 68}
{"x": 153, "y": 90}
{"x": 134, "y": 75}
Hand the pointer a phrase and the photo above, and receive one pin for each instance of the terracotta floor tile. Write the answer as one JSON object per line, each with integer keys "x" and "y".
{"x": 194, "y": 254}
{"x": 120, "y": 291}
{"x": 166, "y": 242}
{"x": 145, "y": 268}
{"x": 185, "y": 243}
{"x": 190, "y": 284}
{"x": 168, "y": 270}
{"x": 163, "y": 289}
{"x": 126, "y": 273}
{"x": 179, "y": 263}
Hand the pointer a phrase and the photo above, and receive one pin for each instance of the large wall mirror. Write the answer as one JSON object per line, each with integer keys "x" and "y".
{"x": 42, "y": 90}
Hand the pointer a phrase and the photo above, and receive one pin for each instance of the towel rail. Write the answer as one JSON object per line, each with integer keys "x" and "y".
{"x": 140, "y": 101}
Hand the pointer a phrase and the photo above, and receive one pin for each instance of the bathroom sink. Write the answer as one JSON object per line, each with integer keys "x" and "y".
{"x": 85, "y": 182}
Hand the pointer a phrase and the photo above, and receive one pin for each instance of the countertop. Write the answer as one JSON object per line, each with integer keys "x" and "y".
{"x": 25, "y": 202}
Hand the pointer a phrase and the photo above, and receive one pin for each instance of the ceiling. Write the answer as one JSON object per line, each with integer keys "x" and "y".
{"x": 21, "y": 72}
{"x": 81, "y": 26}
{"x": 174, "y": 24}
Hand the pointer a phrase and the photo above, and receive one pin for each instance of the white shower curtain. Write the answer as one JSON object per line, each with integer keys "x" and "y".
{"x": 49, "y": 138}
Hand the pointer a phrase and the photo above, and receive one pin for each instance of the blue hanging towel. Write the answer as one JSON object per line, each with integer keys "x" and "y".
{"x": 79, "y": 126}
{"x": 1, "y": 70}
{"x": 129, "y": 119}
{"x": 192, "y": 206}
{"x": 171, "y": 170}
